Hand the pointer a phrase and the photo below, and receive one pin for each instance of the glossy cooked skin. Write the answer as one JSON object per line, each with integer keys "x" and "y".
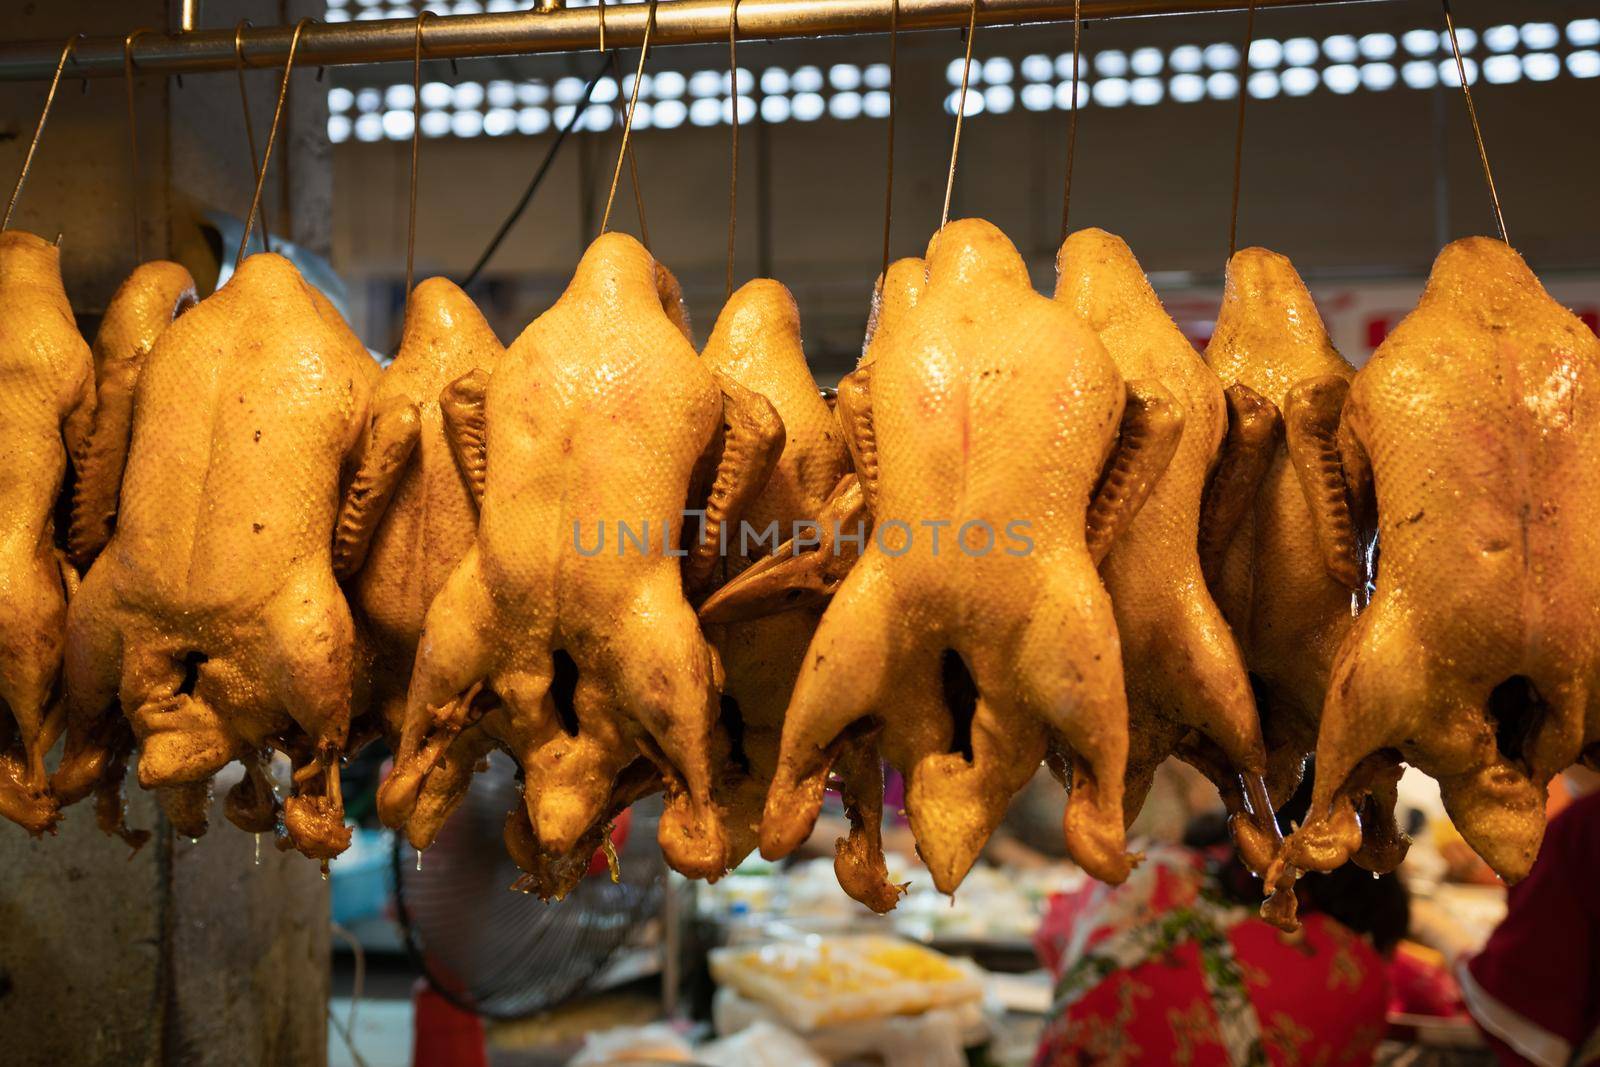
{"x": 46, "y": 402}
{"x": 756, "y": 342}
{"x": 432, "y": 520}
{"x": 213, "y": 616}
{"x": 1181, "y": 665}
{"x": 1481, "y": 420}
{"x": 585, "y": 665}
{"x": 1286, "y": 611}
{"x": 142, "y": 308}
{"x": 989, "y": 403}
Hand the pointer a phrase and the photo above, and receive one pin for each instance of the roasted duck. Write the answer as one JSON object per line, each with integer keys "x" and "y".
{"x": 1259, "y": 550}
{"x": 433, "y": 518}
{"x": 1474, "y": 429}
{"x": 1188, "y": 691}
{"x": 984, "y": 415}
{"x": 46, "y": 404}
{"x": 756, "y": 342}
{"x": 564, "y": 635}
{"x": 256, "y": 473}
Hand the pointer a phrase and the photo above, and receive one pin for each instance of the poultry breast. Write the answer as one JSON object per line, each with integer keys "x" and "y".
{"x": 1476, "y": 427}
{"x": 1188, "y": 691}
{"x": 564, "y": 634}
{"x": 46, "y": 404}
{"x": 433, "y": 518}
{"x": 1287, "y": 610}
{"x": 256, "y": 471}
{"x": 974, "y": 631}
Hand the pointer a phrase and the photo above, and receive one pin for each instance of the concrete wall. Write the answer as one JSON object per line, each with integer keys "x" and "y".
{"x": 185, "y": 953}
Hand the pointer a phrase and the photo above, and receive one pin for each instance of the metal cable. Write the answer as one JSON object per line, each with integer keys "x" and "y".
{"x": 1238, "y": 133}
{"x": 627, "y": 127}
{"x": 133, "y": 144}
{"x": 38, "y": 131}
{"x": 888, "y": 185}
{"x": 1477, "y": 132}
{"x": 272, "y": 136}
{"x": 416, "y": 142}
{"x": 733, "y": 118}
{"x": 1072, "y": 123}
{"x": 249, "y": 126}
{"x": 961, "y": 107}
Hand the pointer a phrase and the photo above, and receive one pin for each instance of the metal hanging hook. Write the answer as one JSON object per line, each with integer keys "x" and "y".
{"x": 1072, "y": 123}
{"x": 961, "y": 107}
{"x": 133, "y": 144}
{"x": 272, "y": 136}
{"x": 633, "y": 155}
{"x": 38, "y": 131}
{"x": 249, "y": 126}
{"x": 416, "y": 142}
{"x": 733, "y": 119}
{"x": 1472, "y": 113}
{"x": 1238, "y": 133}
{"x": 888, "y": 183}
{"x": 627, "y": 126}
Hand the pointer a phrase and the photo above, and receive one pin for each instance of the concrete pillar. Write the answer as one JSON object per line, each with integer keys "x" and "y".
{"x": 188, "y": 953}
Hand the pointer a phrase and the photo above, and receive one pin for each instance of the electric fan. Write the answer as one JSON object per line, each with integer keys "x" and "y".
{"x": 505, "y": 954}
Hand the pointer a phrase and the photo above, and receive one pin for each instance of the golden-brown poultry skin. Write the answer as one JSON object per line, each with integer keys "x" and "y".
{"x": 1480, "y": 420}
{"x": 991, "y": 404}
{"x": 433, "y": 518}
{"x": 213, "y": 617}
{"x": 582, "y": 662}
{"x": 46, "y": 404}
{"x": 1286, "y": 610}
{"x": 756, "y": 342}
{"x": 1182, "y": 668}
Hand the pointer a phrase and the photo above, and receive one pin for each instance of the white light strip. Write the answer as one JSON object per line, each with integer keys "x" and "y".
{"x": 1343, "y": 63}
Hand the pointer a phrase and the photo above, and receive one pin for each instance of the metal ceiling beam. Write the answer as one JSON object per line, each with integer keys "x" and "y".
{"x": 565, "y": 30}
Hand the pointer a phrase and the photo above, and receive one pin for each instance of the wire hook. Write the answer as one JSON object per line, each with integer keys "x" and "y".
{"x": 888, "y": 190}
{"x": 272, "y": 136}
{"x": 1477, "y": 132}
{"x": 1238, "y": 133}
{"x": 249, "y": 126}
{"x": 961, "y": 107}
{"x": 133, "y": 142}
{"x": 627, "y": 126}
{"x": 733, "y": 118}
{"x": 1072, "y": 123}
{"x": 38, "y": 131}
{"x": 416, "y": 141}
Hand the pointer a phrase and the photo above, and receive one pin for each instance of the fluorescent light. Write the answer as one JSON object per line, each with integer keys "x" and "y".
{"x": 1187, "y": 88}
{"x": 397, "y": 125}
{"x": 1377, "y": 46}
{"x": 1539, "y": 36}
{"x": 1584, "y": 33}
{"x": 668, "y": 114}
{"x": 369, "y": 99}
{"x": 844, "y": 76}
{"x": 1036, "y": 97}
{"x": 998, "y": 99}
{"x": 997, "y": 70}
{"x": 705, "y": 111}
{"x": 1378, "y": 77}
{"x": 1502, "y": 69}
{"x": 466, "y": 124}
{"x": 1147, "y": 61}
{"x": 876, "y": 76}
{"x": 775, "y": 82}
{"x": 1037, "y": 68}
{"x": 1541, "y": 66}
{"x": 1300, "y": 52}
{"x": 974, "y": 102}
{"x": 1585, "y": 64}
{"x": 1341, "y": 48}
{"x": 435, "y": 123}
{"x": 668, "y": 85}
{"x": 499, "y": 122}
{"x": 338, "y": 127}
{"x": 1501, "y": 38}
{"x": 1298, "y": 81}
{"x": 806, "y": 107}
{"x": 876, "y": 103}
{"x": 1420, "y": 42}
{"x": 605, "y": 91}
{"x": 1186, "y": 58}
{"x": 1342, "y": 78}
{"x": 706, "y": 83}
{"x": 1449, "y": 75}
{"x": 1111, "y": 92}
{"x": 340, "y": 99}
{"x": 1110, "y": 64}
{"x": 529, "y": 93}
{"x": 468, "y": 96}
{"x": 1147, "y": 91}
{"x": 809, "y": 80}
{"x": 530, "y": 121}
{"x": 775, "y": 109}
{"x": 1264, "y": 85}
{"x": 1420, "y": 74}
{"x": 1223, "y": 85}
{"x": 500, "y": 93}
{"x": 845, "y": 105}
{"x": 1266, "y": 53}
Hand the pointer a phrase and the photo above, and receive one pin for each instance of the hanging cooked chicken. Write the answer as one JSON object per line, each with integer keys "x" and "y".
{"x": 1475, "y": 427}
{"x": 565, "y": 634}
{"x": 974, "y": 632}
{"x": 433, "y": 518}
{"x": 757, "y": 344}
{"x": 1258, "y": 549}
{"x": 1188, "y": 691}
{"x": 256, "y": 473}
{"x": 46, "y": 404}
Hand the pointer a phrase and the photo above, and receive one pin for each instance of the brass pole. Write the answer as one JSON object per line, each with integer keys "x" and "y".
{"x": 569, "y": 30}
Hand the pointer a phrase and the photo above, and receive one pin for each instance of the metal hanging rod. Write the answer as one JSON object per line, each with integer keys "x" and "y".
{"x": 565, "y": 30}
